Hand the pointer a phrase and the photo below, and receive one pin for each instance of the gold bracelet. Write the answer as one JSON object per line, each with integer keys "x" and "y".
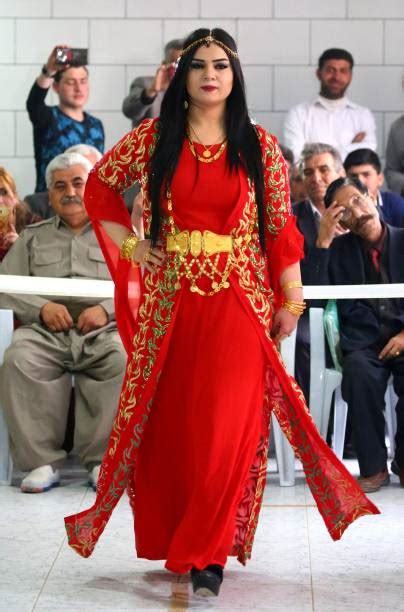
{"x": 128, "y": 247}
{"x": 294, "y": 307}
{"x": 291, "y": 285}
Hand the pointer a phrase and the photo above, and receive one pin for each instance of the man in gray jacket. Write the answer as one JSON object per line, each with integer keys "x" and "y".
{"x": 395, "y": 157}
{"x": 146, "y": 93}
{"x": 60, "y": 338}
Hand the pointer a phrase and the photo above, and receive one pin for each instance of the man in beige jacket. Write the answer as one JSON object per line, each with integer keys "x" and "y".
{"x": 60, "y": 339}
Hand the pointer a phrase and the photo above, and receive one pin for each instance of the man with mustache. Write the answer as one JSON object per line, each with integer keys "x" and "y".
{"x": 331, "y": 117}
{"x": 320, "y": 165}
{"x": 60, "y": 337}
{"x": 371, "y": 330}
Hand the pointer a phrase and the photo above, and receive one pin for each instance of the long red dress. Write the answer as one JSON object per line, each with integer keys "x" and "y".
{"x": 190, "y": 439}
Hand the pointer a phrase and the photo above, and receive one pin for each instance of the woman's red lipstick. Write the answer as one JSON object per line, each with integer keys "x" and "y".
{"x": 209, "y": 87}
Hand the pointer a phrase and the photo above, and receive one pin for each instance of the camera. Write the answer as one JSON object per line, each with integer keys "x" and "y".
{"x": 73, "y": 57}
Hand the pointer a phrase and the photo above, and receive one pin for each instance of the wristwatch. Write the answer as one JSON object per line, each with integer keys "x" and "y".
{"x": 46, "y": 73}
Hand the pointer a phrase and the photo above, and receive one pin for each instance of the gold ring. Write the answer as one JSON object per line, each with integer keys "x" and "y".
{"x": 146, "y": 256}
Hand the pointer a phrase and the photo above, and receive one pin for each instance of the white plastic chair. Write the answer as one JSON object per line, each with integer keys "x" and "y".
{"x": 6, "y": 465}
{"x": 285, "y": 457}
{"x": 341, "y": 414}
{"x": 323, "y": 381}
{"x": 326, "y": 381}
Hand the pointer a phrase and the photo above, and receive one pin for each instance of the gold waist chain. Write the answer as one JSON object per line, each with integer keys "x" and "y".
{"x": 197, "y": 254}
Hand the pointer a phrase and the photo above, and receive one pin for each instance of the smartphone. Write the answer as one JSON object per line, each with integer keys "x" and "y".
{"x": 73, "y": 57}
{"x": 5, "y": 217}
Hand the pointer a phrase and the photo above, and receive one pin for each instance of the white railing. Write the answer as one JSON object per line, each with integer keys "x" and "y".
{"x": 104, "y": 289}
{"x": 83, "y": 287}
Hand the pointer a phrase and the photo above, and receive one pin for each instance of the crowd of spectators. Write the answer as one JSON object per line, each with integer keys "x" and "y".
{"x": 68, "y": 343}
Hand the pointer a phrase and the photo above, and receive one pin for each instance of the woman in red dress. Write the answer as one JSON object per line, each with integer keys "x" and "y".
{"x": 220, "y": 290}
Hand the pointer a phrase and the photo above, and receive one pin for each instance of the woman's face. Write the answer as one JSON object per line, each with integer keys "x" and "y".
{"x": 7, "y": 198}
{"x": 210, "y": 77}
{"x": 8, "y": 203}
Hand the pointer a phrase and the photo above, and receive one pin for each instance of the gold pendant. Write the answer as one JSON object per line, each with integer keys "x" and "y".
{"x": 206, "y": 153}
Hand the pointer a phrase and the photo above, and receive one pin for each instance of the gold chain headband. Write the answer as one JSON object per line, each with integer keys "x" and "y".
{"x": 207, "y": 40}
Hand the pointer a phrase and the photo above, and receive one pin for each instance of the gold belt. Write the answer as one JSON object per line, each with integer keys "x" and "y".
{"x": 197, "y": 242}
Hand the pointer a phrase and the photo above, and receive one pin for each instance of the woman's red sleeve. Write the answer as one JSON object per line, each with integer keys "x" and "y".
{"x": 119, "y": 168}
{"x": 284, "y": 242}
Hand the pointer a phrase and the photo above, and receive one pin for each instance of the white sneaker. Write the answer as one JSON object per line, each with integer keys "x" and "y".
{"x": 93, "y": 477}
{"x": 41, "y": 479}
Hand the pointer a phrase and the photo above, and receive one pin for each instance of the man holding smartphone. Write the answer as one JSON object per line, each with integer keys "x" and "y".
{"x": 146, "y": 93}
{"x": 67, "y": 124}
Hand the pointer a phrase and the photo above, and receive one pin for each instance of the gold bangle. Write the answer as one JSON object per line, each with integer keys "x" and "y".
{"x": 296, "y": 313}
{"x": 128, "y": 247}
{"x": 291, "y": 285}
{"x": 299, "y": 303}
{"x": 294, "y": 307}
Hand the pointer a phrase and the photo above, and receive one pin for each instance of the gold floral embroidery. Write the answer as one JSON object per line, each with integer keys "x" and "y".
{"x": 127, "y": 160}
{"x": 277, "y": 202}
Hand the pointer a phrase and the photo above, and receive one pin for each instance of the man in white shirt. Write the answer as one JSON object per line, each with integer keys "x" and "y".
{"x": 331, "y": 118}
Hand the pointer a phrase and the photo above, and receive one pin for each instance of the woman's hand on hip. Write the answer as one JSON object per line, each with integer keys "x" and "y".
{"x": 283, "y": 325}
{"x": 147, "y": 256}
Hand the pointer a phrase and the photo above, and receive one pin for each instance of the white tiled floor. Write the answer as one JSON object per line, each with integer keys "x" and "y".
{"x": 295, "y": 565}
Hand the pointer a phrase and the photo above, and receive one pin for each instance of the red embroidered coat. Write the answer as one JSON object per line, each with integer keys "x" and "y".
{"x": 145, "y": 311}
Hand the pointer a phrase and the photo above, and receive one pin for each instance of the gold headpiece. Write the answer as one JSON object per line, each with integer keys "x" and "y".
{"x": 207, "y": 40}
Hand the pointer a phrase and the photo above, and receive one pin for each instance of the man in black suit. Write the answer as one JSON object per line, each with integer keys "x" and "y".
{"x": 371, "y": 330}
{"x": 321, "y": 164}
{"x": 365, "y": 165}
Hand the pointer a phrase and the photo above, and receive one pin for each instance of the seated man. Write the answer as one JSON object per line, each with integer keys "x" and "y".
{"x": 364, "y": 165}
{"x": 371, "y": 330}
{"x": 321, "y": 164}
{"x": 39, "y": 201}
{"x": 60, "y": 338}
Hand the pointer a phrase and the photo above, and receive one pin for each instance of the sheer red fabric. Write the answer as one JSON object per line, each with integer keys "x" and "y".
{"x": 190, "y": 440}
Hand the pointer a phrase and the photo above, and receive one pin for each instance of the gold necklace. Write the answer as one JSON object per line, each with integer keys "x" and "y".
{"x": 207, "y": 153}
{"x": 206, "y": 160}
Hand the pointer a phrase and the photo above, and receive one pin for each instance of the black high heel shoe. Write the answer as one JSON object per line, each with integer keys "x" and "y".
{"x": 207, "y": 582}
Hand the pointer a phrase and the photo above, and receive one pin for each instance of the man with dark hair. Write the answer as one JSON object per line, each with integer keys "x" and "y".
{"x": 146, "y": 93}
{"x": 64, "y": 125}
{"x": 365, "y": 165}
{"x": 331, "y": 118}
{"x": 371, "y": 330}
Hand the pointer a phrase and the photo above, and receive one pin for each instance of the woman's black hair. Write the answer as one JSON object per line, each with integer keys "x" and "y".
{"x": 336, "y": 185}
{"x": 243, "y": 145}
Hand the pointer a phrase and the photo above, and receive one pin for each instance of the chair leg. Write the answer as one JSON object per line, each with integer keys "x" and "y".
{"x": 391, "y": 418}
{"x": 285, "y": 457}
{"x": 340, "y": 419}
{"x": 6, "y": 463}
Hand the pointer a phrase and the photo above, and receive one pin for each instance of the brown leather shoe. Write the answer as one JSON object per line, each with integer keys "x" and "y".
{"x": 371, "y": 484}
{"x": 398, "y": 471}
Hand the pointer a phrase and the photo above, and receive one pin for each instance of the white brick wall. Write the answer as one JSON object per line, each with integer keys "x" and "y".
{"x": 279, "y": 43}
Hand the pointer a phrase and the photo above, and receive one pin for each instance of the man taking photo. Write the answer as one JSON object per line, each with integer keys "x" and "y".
{"x": 58, "y": 127}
